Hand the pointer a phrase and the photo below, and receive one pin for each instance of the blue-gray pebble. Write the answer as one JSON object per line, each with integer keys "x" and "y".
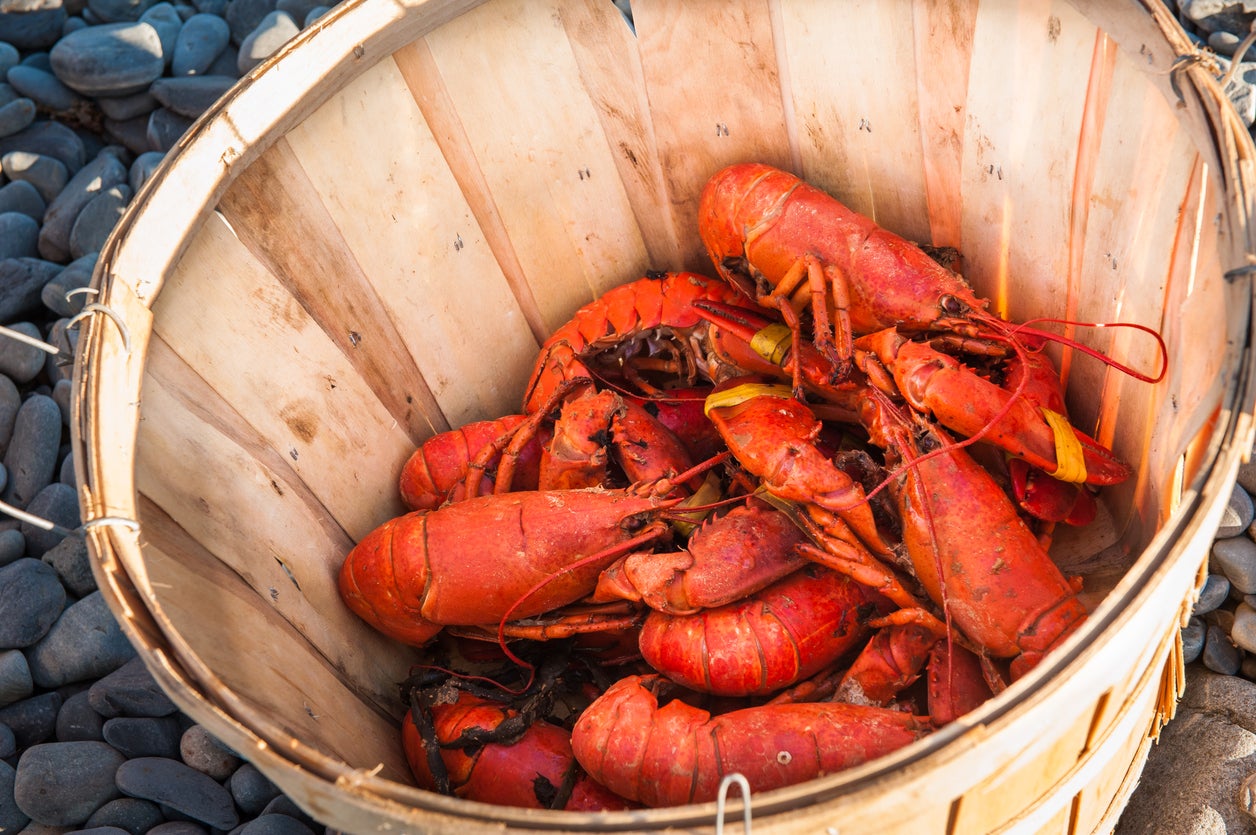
{"x": 164, "y": 18}
{"x": 21, "y": 361}
{"x": 103, "y": 171}
{"x": 63, "y": 783}
{"x": 165, "y": 128}
{"x": 31, "y": 598}
{"x": 85, "y": 643}
{"x": 44, "y": 88}
{"x": 56, "y": 503}
{"x": 22, "y": 282}
{"x": 76, "y": 275}
{"x": 21, "y": 196}
{"x": 275, "y": 30}
{"x": 170, "y": 783}
{"x": 127, "y": 107}
{"x": 115, "y": 59}
{"x": 243, "y": 16}
{"x": 274, "y": 825}
{"x": 48, "y": 175}
{"x": 73, "y": 564}
{"x": 144, "y": 736}
{"x": 178, "y": 827}
{"x": 96, "y": 220}
{"x": 50, "y": 139}
{"x": 8, "y": 743}
{"x": 12, "y": 546}
{"x": 9, "y": 56}
{"x": 16, "y": 116}
{"x": 114, "y": 11}
{"x": 1220, "y": 654}
{"x": 78, "y": 721}
{"x": 130, "y": 690}
{"x": 32, "y": 454}
{"x": 19, "y": 236}
{"x": 143, "y": 167}
{"x": 33, "y": 720}
{"x": 31, "y": 24}
{"x": 15, "y": 677}
{"x": 1193, "y": 639}
{"x": 251, "y": 789}
{"x": 191, "y": 96}
{"x": 1238, "y": 514}
{"x": 12, "y": 818}
{"x": 10, "y": 403}
{"x": 201, "y": 40}
{"x": 129, "y": 814}
{"x": 1236, "y": 558}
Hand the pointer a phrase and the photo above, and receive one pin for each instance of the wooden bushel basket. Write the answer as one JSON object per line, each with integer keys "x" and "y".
{"x": 365, "y": 242}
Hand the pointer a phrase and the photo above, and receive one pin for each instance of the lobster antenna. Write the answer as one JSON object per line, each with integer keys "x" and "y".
{"x": 1086, "y": 349}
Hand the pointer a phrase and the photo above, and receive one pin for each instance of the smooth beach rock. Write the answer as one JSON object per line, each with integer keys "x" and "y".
{"x": 115, "y": 59}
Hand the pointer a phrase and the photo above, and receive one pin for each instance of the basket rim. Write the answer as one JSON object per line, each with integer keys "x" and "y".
{"x": 115, "y": 546}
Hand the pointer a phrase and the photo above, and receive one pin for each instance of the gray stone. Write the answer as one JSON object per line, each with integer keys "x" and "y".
{"x": 177, "y": 827}
{"x": 201, "y": 40}
{"x": 191, "y": 96}
{"x": 32, "y": 720}
{"x": 62, "y": 395}
{"x": 117, "y": 11}
{"x": 76, "y": 276}
{"x": 10, "y": 403}
{"x": 49, "y": 139}
{"x": 104, "y": 171}
{"x": 314, "y": 14}
{"x": 274, "y": 824}
{"x": 12, "y": 546}
{"x": 21, "y": 196}
{"x": 16, "y": 116}
{"x": 56, "y": 503}
{"x": 15, "y": 677}
{"x": 143, "y": 167}
{"x": 8, "y": 742}
{"x": 243, "y": 16}
{"x": 227, "y": 62}
{"x": 251, "y": 789}
{"x": 31, "y": 24}
{"x": 20, "y": 361}
{"x": 164, "y": 18}
{"x": 12, "y": 818}
{"x": 85, "y": 642}
{"x": 171, "y": 783}
{"x": 128, "y": 814}
{"x": 165, "y": 128}
{"x": 95, "y": 222}
{"x": 115, "y": 59}
{"x": 72, "y": 24}
{"x": 130, "y": 690}
{"x": 144, "y": 736}
{"x": 132, "y": 133}
{"x": 1238, "y": 514}
{"x": 31, "y": 458}
{"x": 1220, "y": 653}
{"x": 9, "y": 57}
{"x": 19, "y": 236}
{"x": 200, "y": 750}
{"x": 121, "y": 108}
{"x": 63, "y": 783}
{"x": 1236, "y": 559}
{"x": 44, "y": 88}
{"x": 297, "y": 9}
{"x": 48, "y": 175}
{"x": 67, "y": 471}
{"x": 72, "y": 562}
{"x": 22, "y": 281}
{"x": 77, "y": 721}
{"x": 1193, "y": 639}
{"x": 275, "y": 30}
{"x": 31, "y": 597}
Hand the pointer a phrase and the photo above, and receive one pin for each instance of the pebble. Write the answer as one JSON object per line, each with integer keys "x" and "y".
{"x": 31, "y": 597}
{"x": 34, "y": 719}
{"x": 243, "y": 16}
{"x": 1193, "y": 639}
{"x": 131, "y": 134}
{"x": 56, "y": 503}
{"x": 128, "y": 814}
{"x": 170, "y": 783}
{"x": 114, "y": 11}
{"x": 201, "y": 40}
{"x": 274, "y": 30}
{"x": 31, "y": 24}
{"x": 178, "y": 827}
{"x": 21, "y": 196}
{"x": 103, "y": 171}
{"x": 165, "y": 128}
{"x": 1220, "y": 654}
{"x": 16, "y": 116}
{"x": 8, "y": 744}
{"x": 44, "y": 88}
{"x": 190, "y": 96}
{"x": 73, "y": 564}
{"x": 1236, "y": 558}
{"x": 144, "y": 736}
{"x": 143, "y": 167}
{"x": 164, "y": 18}
{"x": 15, "y": 678}
{"x": 274, "y": 825}
{"x": 251, "y": 789}
{"x": 12, "y": 819}
{"x": 21, "y": 282}
{"x": 76, "y": 275}
{"x": 1243, "y": 633}
{"x": 77, "y": 721}
{"x": 10, "y": 403}
{"x": 19, "y": 235}
{"x": 64, "y": 783}
{"x": 12, "y": 546}
{"x": 9, "y": 56}
{"x": 1238, "y": 514}
{"x": 200, "y": 750}
{"x": 20, "y": 361}
{"x": 127, "y": 107}
{"x": 115, "y": 59}
{"x": 96, "y": 220}
{"x": 48, "y": 175}
{"x": 31, "y": 457}
{"x": 50, "y": 139}
{"x": 130, "y": 690}
{"x": 85, "y": 642}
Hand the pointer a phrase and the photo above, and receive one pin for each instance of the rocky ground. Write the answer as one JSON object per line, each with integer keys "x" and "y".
{"x": 93, "y": 93}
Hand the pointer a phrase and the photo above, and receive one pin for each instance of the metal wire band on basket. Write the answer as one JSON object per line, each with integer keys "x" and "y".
{"x": 744, "y": 785}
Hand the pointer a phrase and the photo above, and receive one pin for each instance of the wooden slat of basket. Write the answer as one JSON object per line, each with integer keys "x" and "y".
{"x": 314, "y": 699}
{"x": 325, "y": 422}
{"x": 731, "y": 111}
{"x": 569, "y": 219}
{"x": 855, "y": 142}
{"x": 427, "y": 259}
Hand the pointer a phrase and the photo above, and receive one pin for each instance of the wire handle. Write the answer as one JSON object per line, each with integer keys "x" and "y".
{"x": 744, "y": 785}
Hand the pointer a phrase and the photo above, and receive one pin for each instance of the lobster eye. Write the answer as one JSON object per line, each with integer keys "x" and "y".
{"x": 952, "y": 306}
